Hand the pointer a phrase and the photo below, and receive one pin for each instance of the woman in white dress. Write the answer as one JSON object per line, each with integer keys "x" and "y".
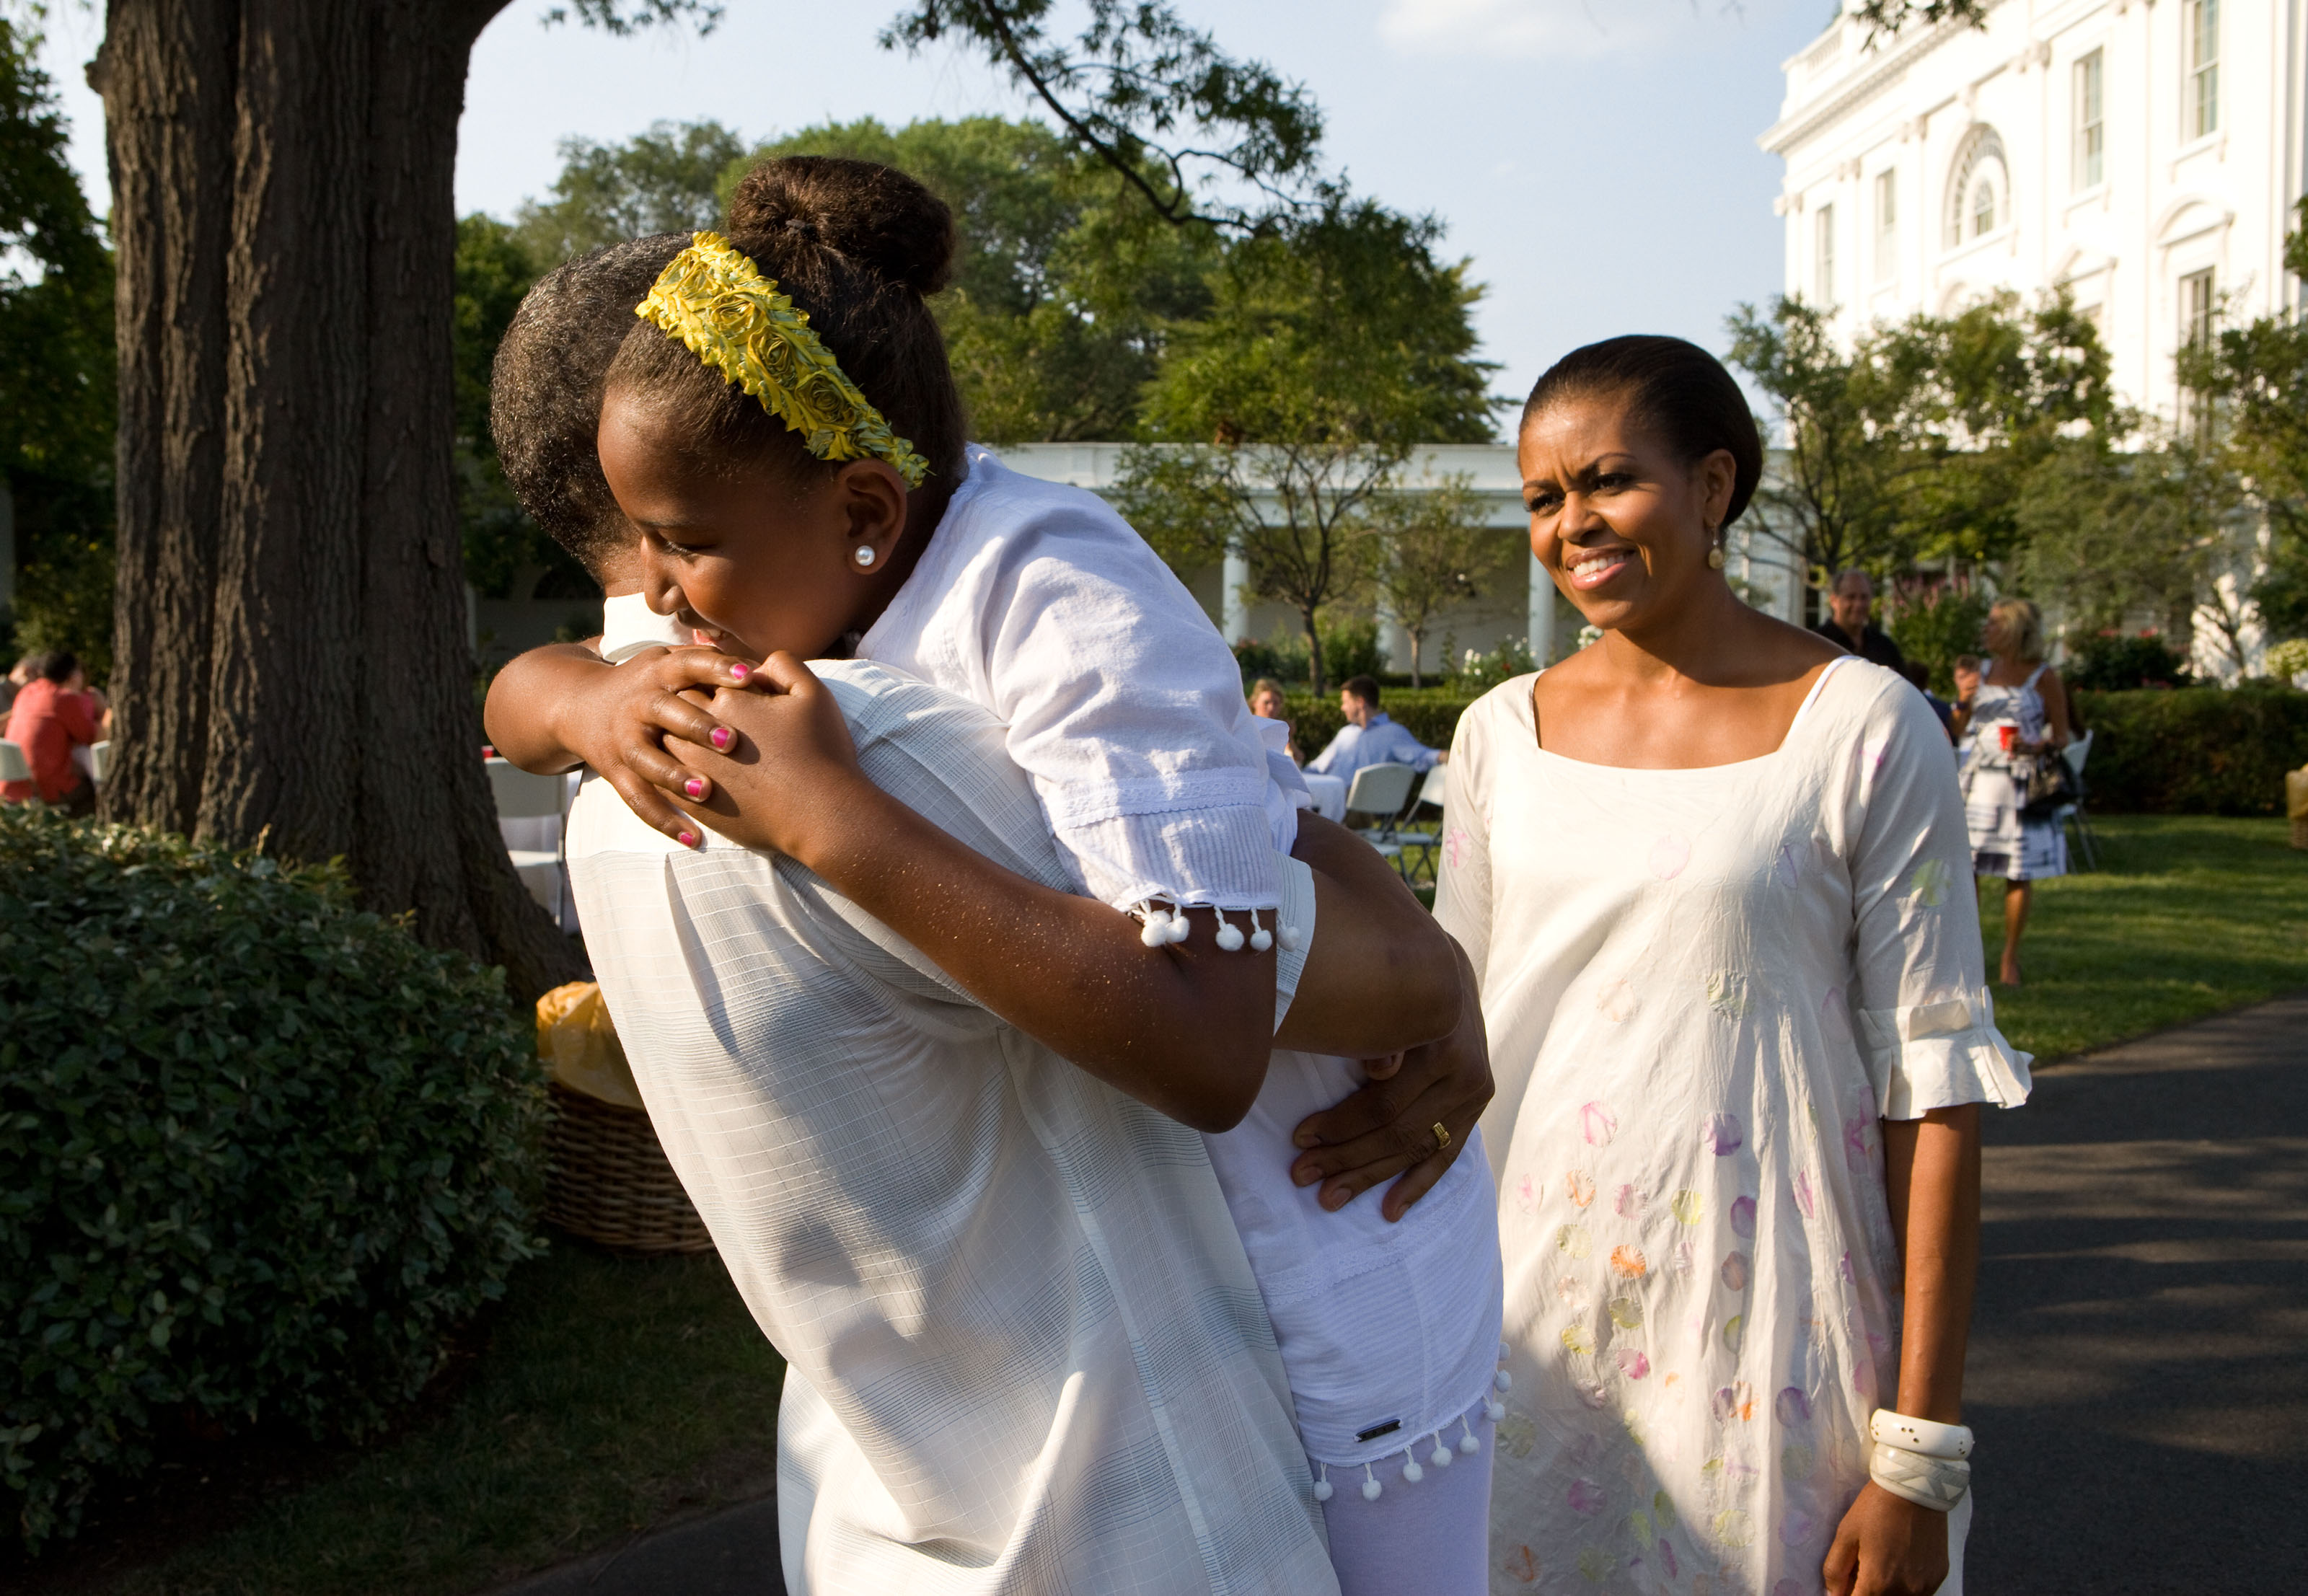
{"x": 1712, "y": 872}
{"x": 2020, "y": 706}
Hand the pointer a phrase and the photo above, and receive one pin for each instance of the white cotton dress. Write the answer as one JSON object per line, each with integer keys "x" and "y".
{"x": 1705, "y": 989}
{"x": 2005, "y": 842}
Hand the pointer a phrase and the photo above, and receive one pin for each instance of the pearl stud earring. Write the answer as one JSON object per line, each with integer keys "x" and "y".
{"x": 864, "y": 557}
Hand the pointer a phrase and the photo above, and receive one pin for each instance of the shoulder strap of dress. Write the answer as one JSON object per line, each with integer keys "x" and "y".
{"x": 2035, "y": 674}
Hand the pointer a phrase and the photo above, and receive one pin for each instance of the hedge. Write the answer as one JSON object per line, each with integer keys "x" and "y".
{"x": 260, "y": 1152}
{"x": 2182, "y": 751}
{"x": 2193, "y": 750}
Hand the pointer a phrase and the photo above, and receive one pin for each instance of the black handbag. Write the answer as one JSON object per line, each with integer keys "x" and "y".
{"x": 2046, "y": 784}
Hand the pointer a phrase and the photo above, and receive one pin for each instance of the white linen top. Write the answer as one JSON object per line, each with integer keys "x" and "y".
{"x": 1705, "y": 989}
{"x": 1025, "y": 1351}
{"x": 629, "y": 625}
{"x": 1123, "y": 702}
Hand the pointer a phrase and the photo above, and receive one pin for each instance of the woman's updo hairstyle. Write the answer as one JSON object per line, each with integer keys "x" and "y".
{"x": 860, "y": 247}
{"x": 1675, "y": 391}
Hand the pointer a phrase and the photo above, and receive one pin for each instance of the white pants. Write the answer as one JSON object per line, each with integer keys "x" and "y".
{"x": 1428, "y": 1539}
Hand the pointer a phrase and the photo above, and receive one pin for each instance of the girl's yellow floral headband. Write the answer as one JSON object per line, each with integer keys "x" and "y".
{"x": 716, "y": 300}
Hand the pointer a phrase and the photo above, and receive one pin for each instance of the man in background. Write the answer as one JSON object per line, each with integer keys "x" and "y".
{"x": 1849, "y": 603}
{"x": 1370, "y": 738}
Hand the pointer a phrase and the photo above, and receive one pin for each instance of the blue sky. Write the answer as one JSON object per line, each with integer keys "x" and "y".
{"x": 1596, "y": 158}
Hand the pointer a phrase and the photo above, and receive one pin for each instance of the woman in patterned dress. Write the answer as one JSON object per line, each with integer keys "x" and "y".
{"x": 2020, "y": 692}
{"x": 1711, "y": 873}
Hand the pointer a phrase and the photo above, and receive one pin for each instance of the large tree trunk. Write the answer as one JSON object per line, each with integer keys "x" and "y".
{"x": 292, "y": 660}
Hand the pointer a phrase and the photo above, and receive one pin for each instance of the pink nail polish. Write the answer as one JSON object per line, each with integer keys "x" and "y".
{"x": 686, "y": 838}
{"x": 739, "y": 673}
{"x": 694, "y": 788}
{"x": 720, "y": 737}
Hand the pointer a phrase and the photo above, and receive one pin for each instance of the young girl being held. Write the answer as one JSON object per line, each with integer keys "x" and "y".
{"x": 825, "y": 503}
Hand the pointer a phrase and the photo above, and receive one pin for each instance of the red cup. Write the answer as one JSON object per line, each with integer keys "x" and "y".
{"x": 2008, "y": 733}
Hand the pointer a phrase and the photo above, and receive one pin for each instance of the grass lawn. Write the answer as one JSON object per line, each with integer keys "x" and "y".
{"x": 2186, "y": 915}
{"x": 611, "y": 1396}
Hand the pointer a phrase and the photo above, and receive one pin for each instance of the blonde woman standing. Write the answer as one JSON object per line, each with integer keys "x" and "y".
{"x": 2017, "y": 707}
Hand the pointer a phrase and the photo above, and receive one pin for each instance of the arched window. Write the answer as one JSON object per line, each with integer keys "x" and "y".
{"x": 1979, "y": 190}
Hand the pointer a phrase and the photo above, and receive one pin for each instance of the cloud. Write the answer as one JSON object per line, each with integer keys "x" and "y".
{"x": 1558, "y": 29}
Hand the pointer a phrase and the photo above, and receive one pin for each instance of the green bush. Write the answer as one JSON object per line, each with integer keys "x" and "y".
{"x": 260, "y": 1152}
{"x": 2193, "y": 750}
{"x": 1934, "y": 619}
{"x": 2112, "y": 661}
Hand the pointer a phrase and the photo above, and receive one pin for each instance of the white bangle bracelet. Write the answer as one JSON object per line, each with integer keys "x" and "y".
{"x": 1938, "y": 1483}
{"x": 1922, "y": 1437}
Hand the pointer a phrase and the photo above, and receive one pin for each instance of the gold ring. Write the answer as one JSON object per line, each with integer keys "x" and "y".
{"x": 1441, "y": 1136}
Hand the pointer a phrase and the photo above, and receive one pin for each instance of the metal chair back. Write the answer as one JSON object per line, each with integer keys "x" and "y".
{"x": 99, "y": 759}
{"x": 14, "y": 765}
{"x": 1436, "y": 789}
{"x": 1380, "y": 789}
{"x": 522, "y": 795}
{"x": 2076, "y": 753}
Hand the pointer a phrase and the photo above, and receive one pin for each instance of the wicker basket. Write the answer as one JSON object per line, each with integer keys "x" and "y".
{"x": 608, "y": 1181}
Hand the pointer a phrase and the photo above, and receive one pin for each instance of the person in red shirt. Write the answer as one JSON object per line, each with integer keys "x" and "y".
{"x": 54, "y": 714}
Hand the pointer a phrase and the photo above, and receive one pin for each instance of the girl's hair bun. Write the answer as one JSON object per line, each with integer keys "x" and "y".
{"x": 875, "y": 215}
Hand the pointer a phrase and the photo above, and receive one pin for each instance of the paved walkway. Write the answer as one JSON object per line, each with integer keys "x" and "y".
{"x": 2139, "y": 1373}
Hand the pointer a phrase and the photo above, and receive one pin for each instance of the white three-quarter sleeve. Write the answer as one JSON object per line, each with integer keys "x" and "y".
{"x": 1927, "y": 1025}
{"x": 1125, "y": 706}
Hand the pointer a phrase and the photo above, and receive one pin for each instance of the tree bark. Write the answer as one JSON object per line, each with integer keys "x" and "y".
{"x": 293, "y": 665}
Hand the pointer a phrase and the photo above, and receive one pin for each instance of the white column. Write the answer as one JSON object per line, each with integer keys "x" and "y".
{"x": 1541, "y": 631}
{"x": 1393, "y": 642}
{"x": 1232, "y": 606}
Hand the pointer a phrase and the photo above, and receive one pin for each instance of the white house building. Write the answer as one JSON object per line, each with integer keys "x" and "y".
{"x": 1543, "y": 618}
{"x": 2144, "y": 154}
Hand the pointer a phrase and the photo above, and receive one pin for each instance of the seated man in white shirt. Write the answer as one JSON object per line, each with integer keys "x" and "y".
{"x": 1370, "y": 738}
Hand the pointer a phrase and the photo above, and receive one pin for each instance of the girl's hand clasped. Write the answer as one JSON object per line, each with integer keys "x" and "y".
{"x": 620, "y": 725}
{"x": 789, "y": 767}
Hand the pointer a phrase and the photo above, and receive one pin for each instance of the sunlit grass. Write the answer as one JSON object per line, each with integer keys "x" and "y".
{"x": 2187, "y": 915}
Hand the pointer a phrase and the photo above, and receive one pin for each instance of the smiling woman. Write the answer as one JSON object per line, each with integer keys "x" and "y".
{"x": 1740, "y": 1040}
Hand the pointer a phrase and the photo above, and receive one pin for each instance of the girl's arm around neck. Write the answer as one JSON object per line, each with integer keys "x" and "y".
{"x": 1185, "y": 1028}
{"x": 560, "y": 706}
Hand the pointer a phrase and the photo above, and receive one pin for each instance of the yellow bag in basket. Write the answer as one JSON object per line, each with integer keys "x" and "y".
{"x": 580, "y": 1046}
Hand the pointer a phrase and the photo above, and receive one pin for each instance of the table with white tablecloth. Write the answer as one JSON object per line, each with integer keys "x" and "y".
{"x": 1330, "y": 795}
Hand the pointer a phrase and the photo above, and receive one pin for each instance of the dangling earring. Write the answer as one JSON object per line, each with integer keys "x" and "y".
{"x": 1714, "y": 550}
{"x": 864, "y": 556}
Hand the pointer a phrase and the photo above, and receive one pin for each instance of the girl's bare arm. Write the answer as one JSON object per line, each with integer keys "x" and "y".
{"x": 560, "y": 706}
{"x": 1184, "y": 1027}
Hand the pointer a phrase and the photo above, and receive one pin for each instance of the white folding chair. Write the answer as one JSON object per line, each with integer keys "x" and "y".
{"x": 1380, "y": 792}
{"x": 1434, "y": 791}
{"x": 529, "y": 808}
{"x": 99, "y": 759}
{"x": 14, "y": 765}
{"x": 2073, "y": 814}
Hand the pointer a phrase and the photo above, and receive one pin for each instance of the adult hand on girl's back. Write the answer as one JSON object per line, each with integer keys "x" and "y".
{"x": 1387, "y": 1128}
{"x": 789, "y": 774}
